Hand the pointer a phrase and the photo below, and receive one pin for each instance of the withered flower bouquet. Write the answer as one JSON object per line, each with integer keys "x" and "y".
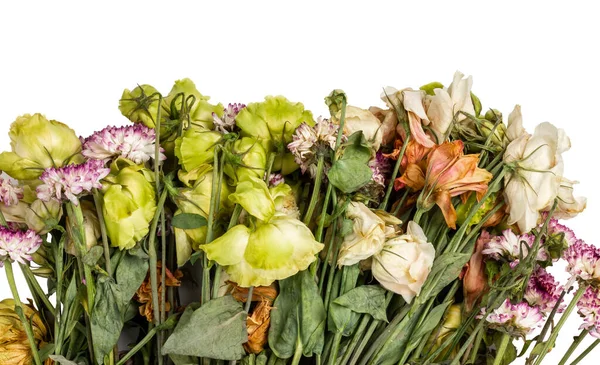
{"x": 418, "y": 233}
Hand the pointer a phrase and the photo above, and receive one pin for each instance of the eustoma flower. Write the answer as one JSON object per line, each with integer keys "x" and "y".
{"x": 134, "y": 142}
{"x": 509, "y": 246}
{"x": 404, "y": 263}
{"x": 226, "y": 123}
{"x": 71, "y": 181}
{"x": 10, "y": 192}
{"x": 358, "y": 119}
{"x": 448, "y": 173}
{"x": 515, "y": 319}
{"x": 18, "y": 245}
{"x": 589, "y": 308}
{"x": 543, "y": 291}
{"x": 367, "y": 236}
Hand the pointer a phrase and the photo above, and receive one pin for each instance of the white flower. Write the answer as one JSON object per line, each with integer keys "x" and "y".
{"x": 10, "y": 191}
{"x": 358, "y": 119}
{"x": 516, "y": 319}
{"x": 515, "y": 128}
{"x": 404, "y": 263}
{"x": 445, "y": 104}
{"x": 568, "y": 205}
{"x": 367, "y": 237}
{"x": 536, "y": 171}
{"x": 509, "y": 247}
{"x": 18, "y": 245}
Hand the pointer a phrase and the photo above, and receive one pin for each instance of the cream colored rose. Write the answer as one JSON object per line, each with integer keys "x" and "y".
{"x": 404, "y": 263}
{"x": 358, "y": 119}
{"x": 446, "y": 103}
{"x": 367, "y": 237}
{"x": 536, "y": 169}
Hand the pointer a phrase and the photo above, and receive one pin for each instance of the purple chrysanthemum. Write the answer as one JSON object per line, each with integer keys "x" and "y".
{"x": 516, "y": 319}
{"x": 509, "y": 246}
{"x": 543, "y": 291}
{"x": 226, "y": 123}
{"x": 10, "y": 192}
{"x": 275, "y": 179}
{"x": 380, "y": 166}
{"x": 69, "y": 182}
{"x": 589, "y": 308}
{"x": 309, "y": 142}
{"x": 134, "y": 142}
{"x": 583, "y": 261}
{"x": 556, "y": 229}
{"x": 18, "y": 245}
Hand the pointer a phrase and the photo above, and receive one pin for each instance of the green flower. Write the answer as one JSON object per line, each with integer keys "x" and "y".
{"x": 129, "y": 205}
{"x": 140, "y": 105}
{"x": 38, "y": 143}
{"x": 196, "y": 147}
{"x": 247, "y": 158}
{"x": 254, "y": 196}
{"x": 273, "y": 121}
{"x": 201, "y": 111}
{"x": 271, "y": 251}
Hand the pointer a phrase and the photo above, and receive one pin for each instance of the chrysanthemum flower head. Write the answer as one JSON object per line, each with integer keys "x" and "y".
{"x": 589, "y": 308}
{"x": 18, "y": 245}
{"x": 583, "y": 262}
{"x": 69, "y": 182}
{"x": 509, "y": 246}
{"x": 226, "y": 123}
{"x": 543, "y": 291}
{"x": 309, "y": 142}
{"x": 515, "y": 319}
{"x": 134, "y": 142}
{"x": 10, "y": 192}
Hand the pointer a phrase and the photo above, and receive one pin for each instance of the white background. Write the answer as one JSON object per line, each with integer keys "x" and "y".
{"x": 71, "y": 62}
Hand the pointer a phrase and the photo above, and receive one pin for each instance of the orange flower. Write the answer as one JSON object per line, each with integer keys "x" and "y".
{"x": 144, "y": 293}
{"x": 473, "y": 274}
{"x": 447, "y": 172}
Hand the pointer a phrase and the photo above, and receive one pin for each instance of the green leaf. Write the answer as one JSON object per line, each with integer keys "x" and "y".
{"x": 298, "y": 312}
{"x": 342, "y": 319}
{"x": 431, "y": 321}
{"x": 357, "y": 148}
{"x": 93, "y": 255}
{"x": 106, "y": 318}
{"x": 349, "y": 175}
{"x": 63, "y": 361}
{"x": 446, "y": 269}
{"x": 183, "y": 360}
{"x": 369, "y": 299}
{"x": 188, "y": 221}
{"x": 130, "y": 274}
{"x": 216, "y": 330}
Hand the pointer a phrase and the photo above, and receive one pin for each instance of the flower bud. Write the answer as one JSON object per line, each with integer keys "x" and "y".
{"x": 129, "y": 204}
{"x": 140, "y": 105}
{"x": 201, "y": 111}
{"x": 334, "y": 101}
{"x": 38, "y": 143}
{"x": 43, "y": 216}
{"x": 91, "y": 226}
{"x": 248, "y": 158}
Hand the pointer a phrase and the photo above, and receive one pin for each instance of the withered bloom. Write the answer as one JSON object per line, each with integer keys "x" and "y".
{"x": 144, "y": 294}
{"x": 448, "y": 173}
{"x": 259, "y": 319}
{"x": 473, "y": 274}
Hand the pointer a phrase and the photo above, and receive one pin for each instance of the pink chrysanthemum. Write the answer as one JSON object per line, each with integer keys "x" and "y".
{"x": 516, "y": 319}
{"x": 556, "y": 229}
{"x": 10, "y": 192}
{"x": 69, "y": 182}
{"x": 380, "y": 167}
{"x": 543, "y": 291}
{"x": 583, "y": 261}
{"x": 226, "y": 123}
{"x": 309, "y": 142}
{"x": 18, "y": 245}
{"x": 589, "y": 308}
{"x": 509, "y": 246}
{"x": 134, "y": 142}
{"x": 275, "y": 179}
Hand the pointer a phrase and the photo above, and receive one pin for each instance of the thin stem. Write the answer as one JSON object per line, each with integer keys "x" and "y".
{"x": 502, "y": 349}
{"x": 395, "y": 326}
{"x": 573, "y": 346}
{"x": 213, "y": 207}
{"x": 19, "y": 309}
{"x": 297, "y": 352}
{"x": 364, "y": 322}
{"x": 35, "y": 287}
{"x": 335, "y": 349}
{"x": 153, "y": 259}
{"x": 249, "y": 299}
{"x": 316, "y": 190}
{"x": 169, "y": 323}
{"x": 563, "y": 319}
{"x": 586, "y": 352}
{"x": 388, "y": 192}
{"x": 76, "y": 215}
{"x": 99, "y": 212}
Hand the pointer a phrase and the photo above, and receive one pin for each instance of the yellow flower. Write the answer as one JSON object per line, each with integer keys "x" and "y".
{"x": 14, "y": 345}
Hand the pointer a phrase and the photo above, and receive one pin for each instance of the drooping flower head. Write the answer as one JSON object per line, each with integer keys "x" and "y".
{"x": 134, "y": 142}
{"x": 70, "y": 182}
{"x": 509, "y": 247}
{"x": 367, "y": 236}
{"x": 10, "y": 192}
{"x": 515, "y": 319}
{"x": 310, "y": 142}
{"x": 226, "y": 123}
{"x": 583, "y": 262}
{"x": 543, "y": 291}
{"x": 589, "y": 308}
{"x": 18, "y": 245}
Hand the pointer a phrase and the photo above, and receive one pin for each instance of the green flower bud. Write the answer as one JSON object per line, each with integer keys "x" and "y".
{"x": 91, "y": 226}
{"x": 43, "y": 216}
{"x": 201, "y": 111}
{"x": 38, "y": 143}
{"x": 428, "y": 88}
{"x": 129, "y": 205}
{"x": 334, "y": 101}
{"x": 140, "y": 105}
{"x": 196, "y": 147}
{"x": 248, "y": 158}
{"x": 273, "y": 121}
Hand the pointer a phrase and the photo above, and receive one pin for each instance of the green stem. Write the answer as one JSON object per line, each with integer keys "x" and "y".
{"x": 408, "y": 349}
{"x": 502, "y": 349}
{"x": 237, "y": 210}
{"x": 364, "y": 322}
{"x": 563, "y": 319}
{"x": 76, "y": 215}
{"x": 35, "y": 287}
{"x": 585, "y": 353}
{"x": 249, "y": 300}
{"x": 316, "y": 190}
{"x": 168, "y": 324}
{"x": 297, "y": 352}
{"x": 19, "y": 309}
{"x": 395, "y": 326}
{"x": 328, "y": 253}
{"x": 213, "y": 207}
{"x": 99, "y": 212}
{"x": 388, "y": 192}
{"x": 335, "y": 349}
{"x": 573, "y": 346}
{"x": 153, "y": 258}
